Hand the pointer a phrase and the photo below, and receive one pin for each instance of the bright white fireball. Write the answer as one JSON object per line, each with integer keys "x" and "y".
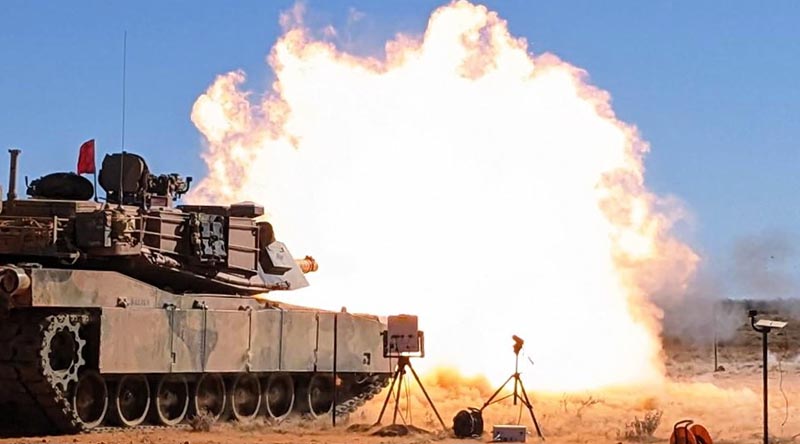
{"x": 462, "y": 179}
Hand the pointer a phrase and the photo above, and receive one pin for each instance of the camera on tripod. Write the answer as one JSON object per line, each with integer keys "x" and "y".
{"x": 403, "y": 340}
{"x": 403, "y": 337}
{"x": 518, "y": 395}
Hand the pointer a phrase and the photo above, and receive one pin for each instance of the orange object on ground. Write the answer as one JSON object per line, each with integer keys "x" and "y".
{"x": 686, "y": 432}
{"x": 701, "y": 434}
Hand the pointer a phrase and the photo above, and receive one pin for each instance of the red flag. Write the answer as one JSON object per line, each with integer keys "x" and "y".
{"x": 86, "y": 158}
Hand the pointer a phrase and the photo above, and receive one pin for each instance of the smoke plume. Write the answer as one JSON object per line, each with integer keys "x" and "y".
{"x": 761, "y": 266}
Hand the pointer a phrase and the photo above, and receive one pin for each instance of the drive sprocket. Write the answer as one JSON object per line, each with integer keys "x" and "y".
{"x": 62, "y": 349}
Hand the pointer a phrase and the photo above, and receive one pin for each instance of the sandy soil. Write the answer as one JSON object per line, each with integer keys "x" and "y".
{"x": 728, "y": 403}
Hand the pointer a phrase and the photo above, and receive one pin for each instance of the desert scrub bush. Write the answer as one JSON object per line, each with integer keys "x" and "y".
{"x": 579, "y": 404}
{"x": 585, "y": 403}
{"x": 202, "y": 422}
{"x": 642, "y": 429}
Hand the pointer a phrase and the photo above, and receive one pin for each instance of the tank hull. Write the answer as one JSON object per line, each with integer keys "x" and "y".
{"x": 85, "y": 348}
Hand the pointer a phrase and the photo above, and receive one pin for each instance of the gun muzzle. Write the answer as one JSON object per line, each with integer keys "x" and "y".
{"x": 308, "y": 264}
{"x": 14, "y": 280}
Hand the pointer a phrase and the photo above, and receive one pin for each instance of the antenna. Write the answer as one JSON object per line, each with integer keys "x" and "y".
{"x": 122, "y": 159}
{"x": 124, "y": 60}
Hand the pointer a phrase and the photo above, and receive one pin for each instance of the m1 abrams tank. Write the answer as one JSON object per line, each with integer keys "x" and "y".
{"x": 136, "y": 311}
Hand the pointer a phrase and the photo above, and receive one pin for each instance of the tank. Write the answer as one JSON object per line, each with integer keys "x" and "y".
{"x": 133, "y": 310}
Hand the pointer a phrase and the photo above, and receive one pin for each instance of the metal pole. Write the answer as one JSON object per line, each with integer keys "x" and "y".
{"x": 124, "y": 63}
{"x": 12, "y": 174}
{"x": 95, "y": 184}
{"x": 766, "y": 393}
{"x": 716, "y": 361}
{"x": 335, "y": 377}
{"x": 714, "y": 326}
{"x": 122, "y": 159}
{"x": 516, "y": 377}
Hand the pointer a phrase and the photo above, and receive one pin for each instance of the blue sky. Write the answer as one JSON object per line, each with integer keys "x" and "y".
{"x": 713, "y": 86}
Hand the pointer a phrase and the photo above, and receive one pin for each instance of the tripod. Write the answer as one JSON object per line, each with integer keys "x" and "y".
{"x": 400, "y": 371}
{"x": 517, "y": 388}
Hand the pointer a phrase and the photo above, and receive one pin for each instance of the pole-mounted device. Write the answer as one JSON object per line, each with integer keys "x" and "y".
{"x": 764, "y": 326}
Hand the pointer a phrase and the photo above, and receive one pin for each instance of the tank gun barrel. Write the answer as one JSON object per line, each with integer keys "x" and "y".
{"x": 308, "y": 264}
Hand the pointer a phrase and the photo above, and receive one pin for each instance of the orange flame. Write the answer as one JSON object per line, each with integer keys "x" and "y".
{"x": 489, "y": 191}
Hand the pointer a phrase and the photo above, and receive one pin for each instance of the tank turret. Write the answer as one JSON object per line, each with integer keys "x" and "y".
{"x": 138, "y": 230}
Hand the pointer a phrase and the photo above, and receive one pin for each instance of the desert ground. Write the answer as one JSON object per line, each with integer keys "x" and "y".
{"x": 727, "y": 402}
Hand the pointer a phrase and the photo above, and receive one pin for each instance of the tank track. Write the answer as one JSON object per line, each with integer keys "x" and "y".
{"x": 369, "y": 390}
{"x": 37, "y": 404}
